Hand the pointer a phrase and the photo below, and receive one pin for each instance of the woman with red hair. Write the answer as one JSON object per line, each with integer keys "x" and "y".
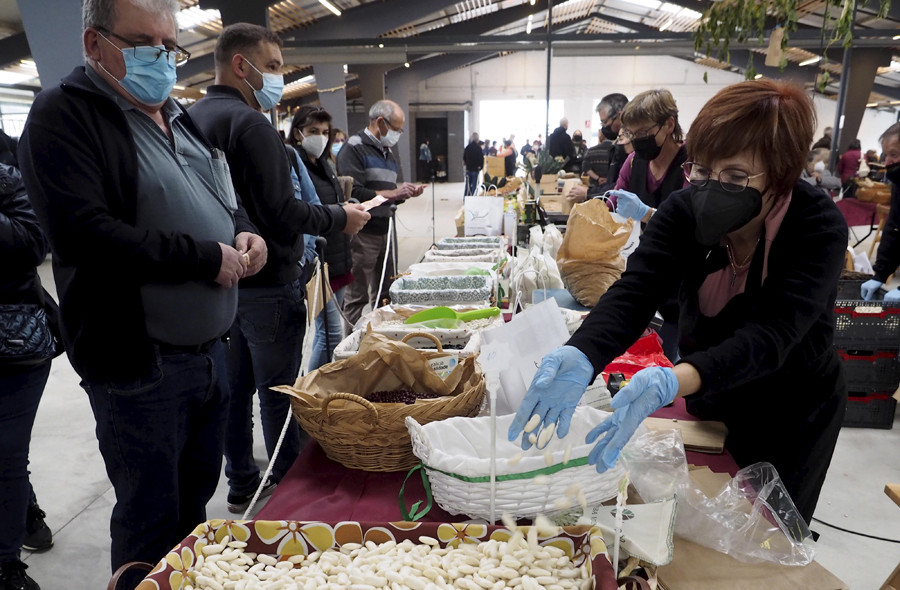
{"x": 753, "y": 255}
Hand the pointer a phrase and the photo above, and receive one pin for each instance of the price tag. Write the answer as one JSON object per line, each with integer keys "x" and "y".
{"x": 444, "y": 365}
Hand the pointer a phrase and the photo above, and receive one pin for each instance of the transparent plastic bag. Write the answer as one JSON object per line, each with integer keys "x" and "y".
{"x": 752, "y": 518}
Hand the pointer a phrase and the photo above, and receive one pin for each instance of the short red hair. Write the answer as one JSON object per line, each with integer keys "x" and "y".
{"x": 773, "y": 120}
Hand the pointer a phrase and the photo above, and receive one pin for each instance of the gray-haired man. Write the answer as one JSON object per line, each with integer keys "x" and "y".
{"x": 368, "y": 158}
{"x": 149, "y": 242}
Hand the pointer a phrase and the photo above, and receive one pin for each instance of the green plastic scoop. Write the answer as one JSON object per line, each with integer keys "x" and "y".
{"x": 436, "y": 313}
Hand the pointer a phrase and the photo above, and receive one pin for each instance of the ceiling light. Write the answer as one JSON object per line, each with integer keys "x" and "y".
{"x": 531, "y": 2}
{"x": 195, "y": 16}
{"x": 895, "y": 37}
{"x": 651, "y": 4}
{"x": 334, "y": 9}
{"x": 406, "y": 64}
{"x": 813, "y": 60}
{"x": 871, "y": 105}
{"x": 757, "y": 76}
{"x": 528, "y": 24}
{"x": 381, "y": 46}
{"x": 178, "y": 87}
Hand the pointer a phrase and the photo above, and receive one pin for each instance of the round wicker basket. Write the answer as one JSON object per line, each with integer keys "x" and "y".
{"x": 370, "y": 436}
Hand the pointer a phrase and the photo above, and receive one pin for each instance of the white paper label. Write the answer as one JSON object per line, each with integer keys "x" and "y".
{"x": 444, "y": 365}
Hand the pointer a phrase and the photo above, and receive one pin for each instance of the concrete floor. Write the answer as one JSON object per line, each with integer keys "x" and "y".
{"x": 71, "y": 484}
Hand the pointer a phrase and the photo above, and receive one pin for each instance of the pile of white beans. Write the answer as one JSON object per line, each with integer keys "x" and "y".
{"x": 519, "y": 563}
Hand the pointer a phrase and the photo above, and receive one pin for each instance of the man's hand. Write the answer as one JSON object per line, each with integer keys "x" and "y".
{"x": 253, "y": 250}
{"x": 578, "y": 194}
{"x": 416, "y": 189}
{"x": 233, "y": 266}
{"x": 357, "y": 217}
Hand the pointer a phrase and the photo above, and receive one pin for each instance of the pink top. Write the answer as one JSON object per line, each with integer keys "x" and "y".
{"x": 717, "y": 290}
{"x": 653, "y": 183}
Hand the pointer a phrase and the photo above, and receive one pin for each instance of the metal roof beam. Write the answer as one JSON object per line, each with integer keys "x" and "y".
{"x": 14, "y": 49}
{"x": 371, "y": 20}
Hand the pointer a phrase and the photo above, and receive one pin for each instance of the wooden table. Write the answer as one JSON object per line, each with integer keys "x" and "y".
{"x": 893, "y": 582}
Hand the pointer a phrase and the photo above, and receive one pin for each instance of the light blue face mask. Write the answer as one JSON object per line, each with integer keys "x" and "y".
{"x": 270, "y": 93}
{"x": 336, "y": 147}
{"x": 149, "y": 77}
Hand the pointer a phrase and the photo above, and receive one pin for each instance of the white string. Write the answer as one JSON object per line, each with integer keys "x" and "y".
{"x": 387, "y": 252}
{"x": 310, "y": 323}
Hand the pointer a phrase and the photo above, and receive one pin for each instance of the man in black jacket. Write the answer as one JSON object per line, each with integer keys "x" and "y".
{"x": 148, "y": 246}
{"x": 267, "y": 337}
{"x": 473, "y": 158}
{"x": 559, "y": 143}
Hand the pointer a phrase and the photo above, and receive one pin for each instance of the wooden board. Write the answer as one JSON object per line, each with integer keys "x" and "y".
{"x": 893, "y": 492}
{"x": 703, "y": 436}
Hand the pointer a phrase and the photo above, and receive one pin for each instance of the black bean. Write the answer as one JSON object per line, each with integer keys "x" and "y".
{"x": 398, "y": 396}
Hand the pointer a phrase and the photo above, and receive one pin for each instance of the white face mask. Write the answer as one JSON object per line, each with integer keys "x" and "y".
{"x": 819, "y": 166}
{"x": 391, "y": 138}
{"x": 314, "y": 145}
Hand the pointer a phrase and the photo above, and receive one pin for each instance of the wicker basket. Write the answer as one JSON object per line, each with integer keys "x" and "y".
{"x": 877, "y": 193}
{"x": 370, "y": 436}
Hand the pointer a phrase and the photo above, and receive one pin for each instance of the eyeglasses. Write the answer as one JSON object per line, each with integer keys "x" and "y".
{"x": 632, "y": 135}
{"x": 609, "y": 120}
{"x": 150, "y": 53}
{"x": 391, "y": 127}
{"x": 731, "y": 179}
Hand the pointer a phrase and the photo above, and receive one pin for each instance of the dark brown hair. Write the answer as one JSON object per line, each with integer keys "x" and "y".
{"x": 242, "y": 38}
{"x": 306, "y": 115}
{"x": 773, "y": 120}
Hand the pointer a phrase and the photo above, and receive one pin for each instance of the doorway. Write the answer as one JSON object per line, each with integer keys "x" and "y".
{"x": 434, "y": 130}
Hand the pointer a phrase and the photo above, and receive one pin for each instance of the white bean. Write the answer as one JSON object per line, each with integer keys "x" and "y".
{"x": 545, "y": 435}
{"x": 532, "y": 423}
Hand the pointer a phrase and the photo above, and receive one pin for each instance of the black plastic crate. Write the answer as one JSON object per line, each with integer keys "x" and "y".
{"x": 873, "y": 410}
{"x": 871, "y": 370}
{"x": 866, "y": 325}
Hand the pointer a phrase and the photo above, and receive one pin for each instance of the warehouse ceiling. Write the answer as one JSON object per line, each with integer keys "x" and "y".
{"x": 442, "y": 34}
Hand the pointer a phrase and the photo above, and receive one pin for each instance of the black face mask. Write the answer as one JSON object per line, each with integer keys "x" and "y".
{"x": 646, "y": 147}
{"x": 608, "y": 132}
{"x": 892, "y": 172}
{"x": 718, "y": 212}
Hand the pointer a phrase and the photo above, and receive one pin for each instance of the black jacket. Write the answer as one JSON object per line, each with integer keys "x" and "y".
{"x": 791, "y": 327}
{"x": 261, "y": 173}
{"x": 560, "y": 144}
{"x": 328, "y": 189}
{"x": 79, "y": 163}
{"x": 22, "y": 243}
{"x": 473, "y": 157}
{"x": 888, "y": 258}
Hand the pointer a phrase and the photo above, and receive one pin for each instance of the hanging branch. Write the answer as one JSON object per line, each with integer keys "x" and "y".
{"x": 744, "y": 20}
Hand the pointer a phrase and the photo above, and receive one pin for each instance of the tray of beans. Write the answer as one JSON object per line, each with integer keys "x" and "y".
{"x": 356, "y": 408}
{"x": 267, "y": 554}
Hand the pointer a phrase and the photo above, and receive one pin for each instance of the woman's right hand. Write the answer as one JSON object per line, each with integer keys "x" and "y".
{"x": 560, "y": 382}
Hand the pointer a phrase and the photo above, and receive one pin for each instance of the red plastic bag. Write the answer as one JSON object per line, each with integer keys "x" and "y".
{"x": 646, "y": 352}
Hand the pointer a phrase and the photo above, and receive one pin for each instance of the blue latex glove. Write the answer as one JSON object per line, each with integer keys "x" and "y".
{"x": 869, "y": 288}
{"x": 554, "y": 392}
{"x": 649, "y": 390}
{"x": 893, "y": 296}
{"x": 629, "y": 205}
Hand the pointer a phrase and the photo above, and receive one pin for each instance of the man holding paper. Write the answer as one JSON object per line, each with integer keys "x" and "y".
{"x": 368, "y": 158}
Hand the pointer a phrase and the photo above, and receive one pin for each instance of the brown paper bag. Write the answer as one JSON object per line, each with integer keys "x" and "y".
{"x": 314, "y": 296}
{"x": 698, "y": 568}
{"x": 589, "y": 259}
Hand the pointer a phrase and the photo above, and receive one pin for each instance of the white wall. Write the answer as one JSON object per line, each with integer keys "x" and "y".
{"x": 581, "y": 81}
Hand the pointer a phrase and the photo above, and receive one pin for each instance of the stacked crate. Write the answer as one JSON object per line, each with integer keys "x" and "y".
{"x": 867, "y": 336}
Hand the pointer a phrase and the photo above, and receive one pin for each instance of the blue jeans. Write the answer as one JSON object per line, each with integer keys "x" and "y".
{"x": 20, "y": 394}
{"x": 471, "y": 181}
{"x": 161, "y": 440}
{"x": 266, "y": 348}
{"x": 320, "y": 354}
